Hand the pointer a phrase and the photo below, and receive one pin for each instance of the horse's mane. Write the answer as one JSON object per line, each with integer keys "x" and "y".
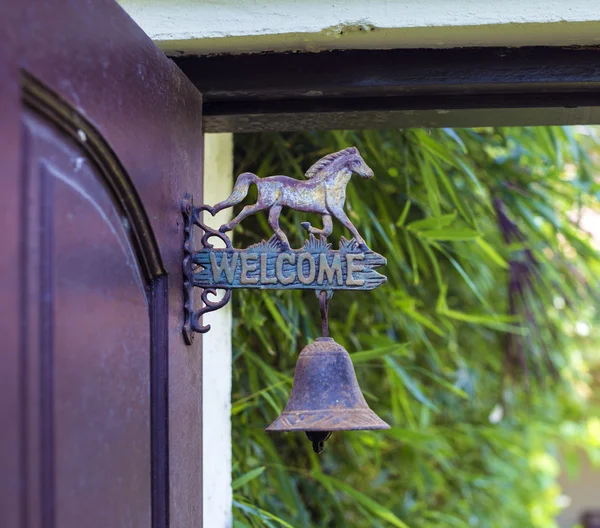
{"x": 325, "y": 161}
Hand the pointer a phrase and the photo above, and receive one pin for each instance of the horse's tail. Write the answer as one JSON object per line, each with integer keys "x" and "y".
{"x": 240, "y": 191}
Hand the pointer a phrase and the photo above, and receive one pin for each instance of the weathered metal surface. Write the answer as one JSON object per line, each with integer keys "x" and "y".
{"x": 265, "y": 266}
{"x": 273, "y": 264}
{"x": 323, "y": 192}
{"x": 325, "y": 394}
{"x": 324, "y": 297}
{"x": 192, "y": 324}
{"x": 318, "y": 439}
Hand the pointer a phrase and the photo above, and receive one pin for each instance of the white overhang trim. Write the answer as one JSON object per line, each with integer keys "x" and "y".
{"x": 239, "y": 26}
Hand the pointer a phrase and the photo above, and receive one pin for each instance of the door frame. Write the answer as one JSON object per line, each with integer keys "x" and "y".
{"x": 355, "y": 89}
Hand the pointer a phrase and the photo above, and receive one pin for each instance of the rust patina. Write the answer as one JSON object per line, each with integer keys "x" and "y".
{"x": 325, "y": 394}
{"x": 323, "y": 192}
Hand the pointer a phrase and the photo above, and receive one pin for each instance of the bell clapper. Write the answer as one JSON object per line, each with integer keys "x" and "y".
{"x": 318, "y": 439}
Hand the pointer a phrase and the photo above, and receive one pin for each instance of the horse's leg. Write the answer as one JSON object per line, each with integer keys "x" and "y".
{"x": 340, "y": 214}
{"x": 327, "y": 227}
{"x": 246, "y": 211}
{"x": 274, "y": 213}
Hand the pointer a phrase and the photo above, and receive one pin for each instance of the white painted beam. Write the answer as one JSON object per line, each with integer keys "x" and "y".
{"x": 235, "y": 26}
{"x": 216, "y": 354}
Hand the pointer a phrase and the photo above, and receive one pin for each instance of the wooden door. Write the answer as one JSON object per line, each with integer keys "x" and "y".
{"x": 100, "y": 399}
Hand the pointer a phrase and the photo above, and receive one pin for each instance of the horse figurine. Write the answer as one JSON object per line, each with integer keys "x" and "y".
{"x": 324, "y": 193}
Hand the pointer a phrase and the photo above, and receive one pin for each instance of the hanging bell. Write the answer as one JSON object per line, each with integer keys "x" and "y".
{"x": 325, "y": 396}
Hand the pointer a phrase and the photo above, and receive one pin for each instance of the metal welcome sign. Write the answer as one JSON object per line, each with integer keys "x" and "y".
{"x": 315, "y": 267}
{"x": 325, "y": 395}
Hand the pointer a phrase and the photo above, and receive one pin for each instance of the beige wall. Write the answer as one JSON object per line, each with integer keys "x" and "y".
{"x": 583, "y": 491}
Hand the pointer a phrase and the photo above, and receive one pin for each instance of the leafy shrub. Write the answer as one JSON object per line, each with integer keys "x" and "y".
{"x": 470, "y": 351}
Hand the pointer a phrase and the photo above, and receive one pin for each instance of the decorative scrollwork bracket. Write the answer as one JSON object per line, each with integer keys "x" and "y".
{"x": 192, "y": 216}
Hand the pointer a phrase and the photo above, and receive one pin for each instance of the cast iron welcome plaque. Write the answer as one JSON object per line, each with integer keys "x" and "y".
{"x": 273, "y": 264}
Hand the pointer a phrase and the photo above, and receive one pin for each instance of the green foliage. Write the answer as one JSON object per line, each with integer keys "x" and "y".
{"x": 475, "y": 424}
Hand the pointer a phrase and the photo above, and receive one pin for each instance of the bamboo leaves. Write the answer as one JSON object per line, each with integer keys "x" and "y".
{"x": 429, "y": 346}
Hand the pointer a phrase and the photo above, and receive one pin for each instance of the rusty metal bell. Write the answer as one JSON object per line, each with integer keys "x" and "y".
{"x": 325, "y": 396}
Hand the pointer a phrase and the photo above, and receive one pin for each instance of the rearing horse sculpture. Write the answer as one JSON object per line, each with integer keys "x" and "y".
{"x": 324, "y": 192}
